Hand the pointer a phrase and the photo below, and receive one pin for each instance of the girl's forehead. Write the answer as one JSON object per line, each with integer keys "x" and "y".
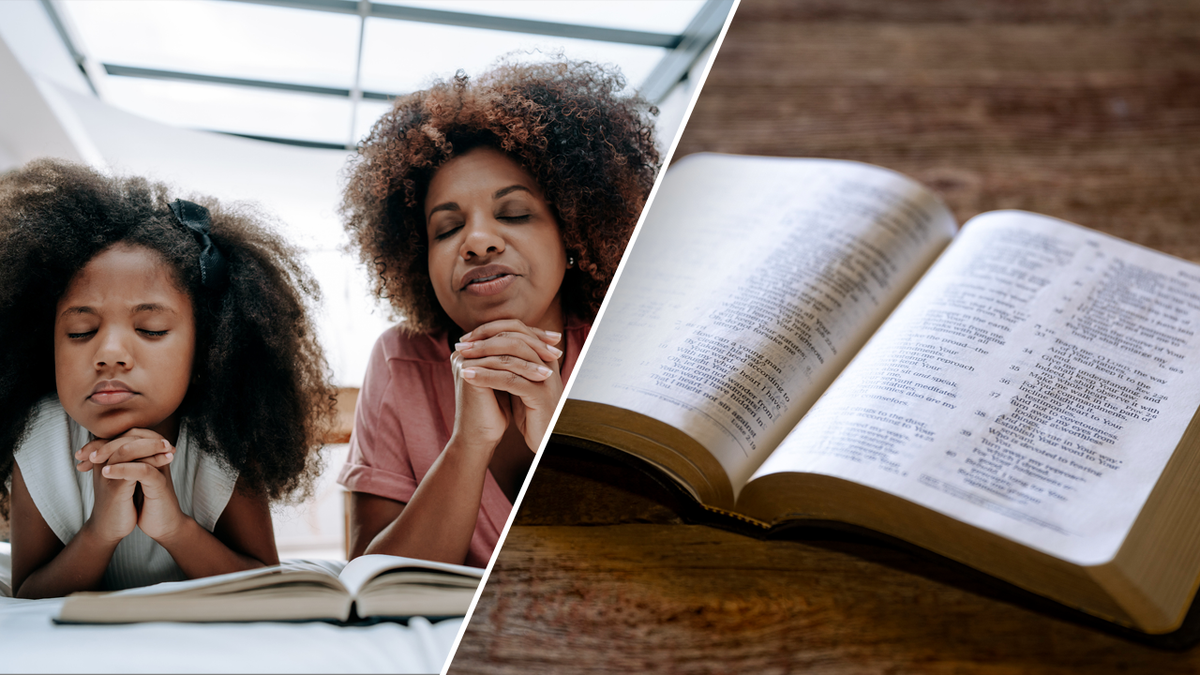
{"x": 124, "y": 275}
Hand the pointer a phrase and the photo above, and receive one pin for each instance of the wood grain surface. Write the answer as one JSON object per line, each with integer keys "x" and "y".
{"x": 1088, "y": 111}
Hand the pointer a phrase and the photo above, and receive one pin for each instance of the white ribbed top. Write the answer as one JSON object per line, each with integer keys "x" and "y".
{"x": 64, "y": 496}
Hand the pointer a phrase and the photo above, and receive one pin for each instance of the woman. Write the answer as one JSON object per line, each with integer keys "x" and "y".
{"x": 494, "y": 212}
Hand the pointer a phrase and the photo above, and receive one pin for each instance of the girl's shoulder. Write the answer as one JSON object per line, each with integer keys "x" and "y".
{"x": 45, "y": 455}
{"x": 48, "y": 406}
{"x": 49, "y": 425}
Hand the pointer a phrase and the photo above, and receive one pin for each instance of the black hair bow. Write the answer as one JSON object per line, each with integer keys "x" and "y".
{"x": 214, "y": 269}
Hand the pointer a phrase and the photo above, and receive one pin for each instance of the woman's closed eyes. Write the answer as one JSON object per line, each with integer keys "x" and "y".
{"x": 448, "y": 229}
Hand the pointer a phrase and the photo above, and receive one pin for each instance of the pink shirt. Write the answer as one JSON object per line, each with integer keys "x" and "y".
{"x": 403, "y": 420}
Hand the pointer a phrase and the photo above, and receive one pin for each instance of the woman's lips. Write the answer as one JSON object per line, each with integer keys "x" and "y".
{"x": 489, "y": 285}
{"x": 483, "y": 274}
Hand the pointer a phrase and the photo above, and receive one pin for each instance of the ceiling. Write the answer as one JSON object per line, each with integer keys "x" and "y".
{"x": 317, "y": 73}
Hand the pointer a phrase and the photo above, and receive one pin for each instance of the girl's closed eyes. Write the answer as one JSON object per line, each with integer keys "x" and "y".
{"x": 149, "y": 333}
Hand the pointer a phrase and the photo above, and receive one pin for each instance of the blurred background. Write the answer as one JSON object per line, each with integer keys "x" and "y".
{"x": 1082, "y": 110}
{"x": 265, "y": 101}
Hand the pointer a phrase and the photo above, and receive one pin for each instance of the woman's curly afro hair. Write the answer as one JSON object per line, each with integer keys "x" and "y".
{"x": 259, "y": 402}
{"x": 590, "y": 149}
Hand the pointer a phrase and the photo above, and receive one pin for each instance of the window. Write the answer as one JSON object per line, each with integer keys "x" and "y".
{"x": 318, "y": 72}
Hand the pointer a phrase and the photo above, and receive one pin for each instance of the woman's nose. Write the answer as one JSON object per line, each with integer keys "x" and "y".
{"x": 483, "y": 238}
{"x": 112, "y": 350}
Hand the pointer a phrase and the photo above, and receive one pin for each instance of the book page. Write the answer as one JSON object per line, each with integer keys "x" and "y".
{"x": 362, "y": 570}
{"x": 320, "y": 572}
{"x": 1035, "y": 383}
{"x": 751, "y": 284}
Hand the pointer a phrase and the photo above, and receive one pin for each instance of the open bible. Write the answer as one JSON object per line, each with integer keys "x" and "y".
{"x": 801, "y": 341}
{"x": 370, "y": 586}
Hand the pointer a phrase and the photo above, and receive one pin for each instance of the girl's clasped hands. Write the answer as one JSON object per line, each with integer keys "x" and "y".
{"x": 131, "y": 476}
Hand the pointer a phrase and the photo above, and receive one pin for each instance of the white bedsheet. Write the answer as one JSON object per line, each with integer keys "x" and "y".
{"x": 30, "y": 642}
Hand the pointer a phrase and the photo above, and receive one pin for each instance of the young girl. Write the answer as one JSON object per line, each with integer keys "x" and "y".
{"x": 493, "y": 212}
{"x": 159, "y": 382}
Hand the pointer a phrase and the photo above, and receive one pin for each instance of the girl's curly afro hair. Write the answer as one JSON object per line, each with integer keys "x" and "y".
{"x": 260, "y": 401}
{"x": 590, "y": 149}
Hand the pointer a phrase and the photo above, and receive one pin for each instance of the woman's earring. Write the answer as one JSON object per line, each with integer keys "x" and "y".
{"x": 570, "y": 261}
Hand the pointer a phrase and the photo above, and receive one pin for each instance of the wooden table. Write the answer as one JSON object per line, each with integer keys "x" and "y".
{"x": 1083, "y": 110}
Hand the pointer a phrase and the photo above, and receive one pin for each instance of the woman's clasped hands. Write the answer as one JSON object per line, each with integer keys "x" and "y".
{"x": 505, "y": 370}
{"x": 119, "y": 466}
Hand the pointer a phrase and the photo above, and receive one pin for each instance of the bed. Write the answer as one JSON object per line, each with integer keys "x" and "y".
{"x": 30, "y": 642}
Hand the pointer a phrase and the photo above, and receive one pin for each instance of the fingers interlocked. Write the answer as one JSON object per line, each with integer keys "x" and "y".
{"x": 506, "y": 355}
{"x": 135, "y": 446}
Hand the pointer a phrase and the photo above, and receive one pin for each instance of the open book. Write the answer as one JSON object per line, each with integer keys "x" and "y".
{"x": 795, "y": 341}
{"x": 375, "y": 586}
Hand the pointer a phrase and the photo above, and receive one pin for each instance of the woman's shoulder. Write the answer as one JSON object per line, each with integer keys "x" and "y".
{"x": 576, "y": 334}
{"x": 396, "y": 344}
{"x": 577, "y": 326}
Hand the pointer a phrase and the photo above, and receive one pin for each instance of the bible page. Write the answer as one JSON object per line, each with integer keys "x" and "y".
{"x": 751, "y": 283}
{"x": 1034, "y": 384}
